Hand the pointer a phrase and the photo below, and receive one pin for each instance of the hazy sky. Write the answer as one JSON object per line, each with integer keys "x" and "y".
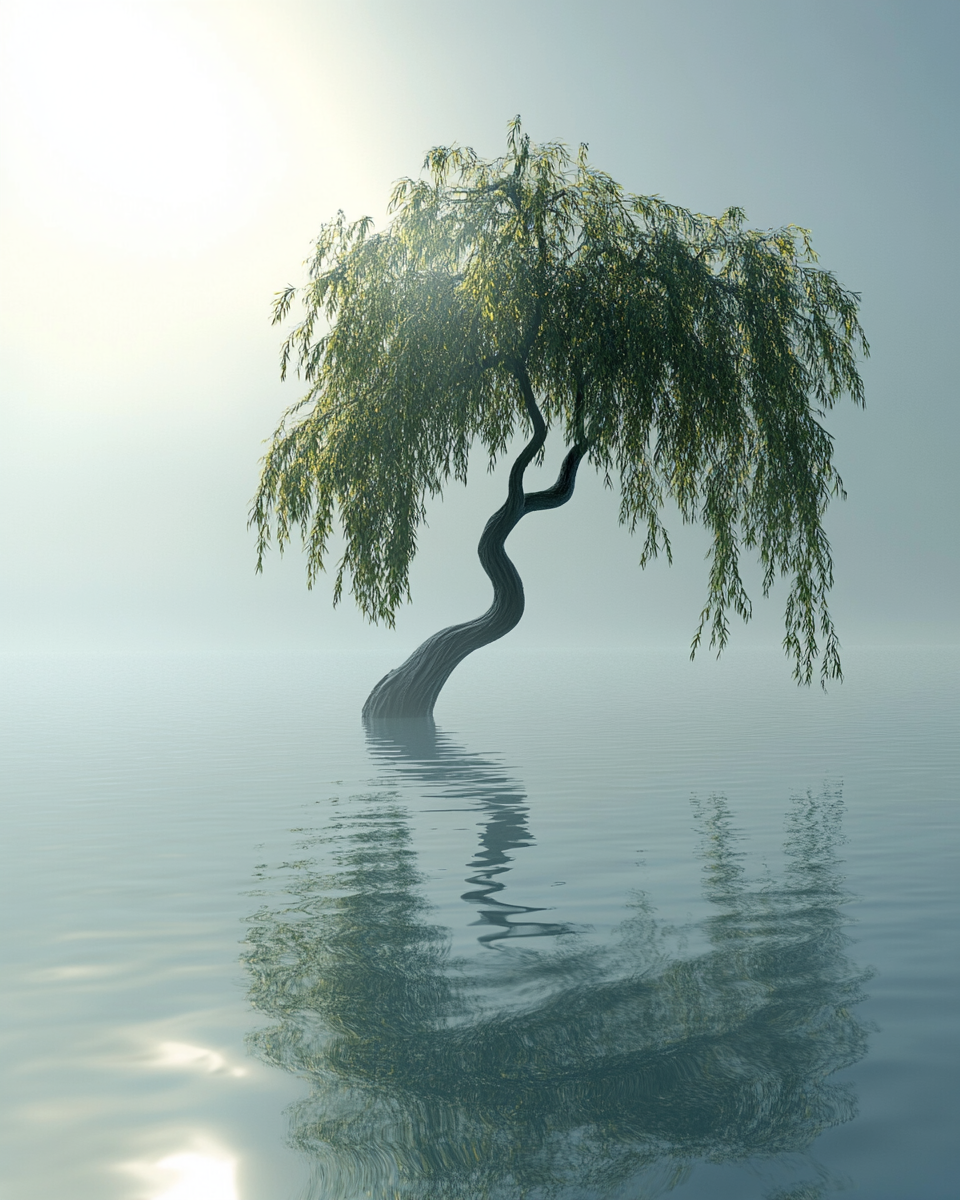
{"x": 166, "y": 165}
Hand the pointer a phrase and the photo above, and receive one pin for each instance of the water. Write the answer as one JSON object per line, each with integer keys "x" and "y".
{"x": 622, "y": 926}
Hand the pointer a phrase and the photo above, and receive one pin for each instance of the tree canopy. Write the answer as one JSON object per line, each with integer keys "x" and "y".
{"x": 688, "y": 358}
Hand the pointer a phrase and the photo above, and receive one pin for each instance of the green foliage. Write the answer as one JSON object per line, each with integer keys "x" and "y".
{"x": 690, "y": 357}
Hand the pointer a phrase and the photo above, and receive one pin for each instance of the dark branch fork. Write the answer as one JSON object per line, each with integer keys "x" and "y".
{"x": 411, "y": 690}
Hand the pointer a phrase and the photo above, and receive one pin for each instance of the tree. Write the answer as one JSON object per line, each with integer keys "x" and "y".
{"x": 687, "y": 356}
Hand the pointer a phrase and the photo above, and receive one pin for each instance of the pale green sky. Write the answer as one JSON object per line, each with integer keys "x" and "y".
{"x": 165, "y": 166}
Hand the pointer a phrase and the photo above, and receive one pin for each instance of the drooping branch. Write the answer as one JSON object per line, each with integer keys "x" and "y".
{"x": 412, "y": 689}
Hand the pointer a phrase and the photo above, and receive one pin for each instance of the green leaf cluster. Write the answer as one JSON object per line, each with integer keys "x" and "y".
{"x": 690, "y": 358}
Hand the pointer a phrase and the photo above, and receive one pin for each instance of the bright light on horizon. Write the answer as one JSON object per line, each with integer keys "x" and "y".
{"x": 127, "y": 126}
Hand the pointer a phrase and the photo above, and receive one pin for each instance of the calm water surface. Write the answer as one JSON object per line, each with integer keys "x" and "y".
{"x": 620, "y": 927}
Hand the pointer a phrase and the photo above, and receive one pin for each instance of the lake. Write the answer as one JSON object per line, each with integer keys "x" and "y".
{"x": 619, "y": 926}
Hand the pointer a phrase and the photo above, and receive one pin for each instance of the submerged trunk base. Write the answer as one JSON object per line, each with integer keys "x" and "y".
{"x": 411, "y": 690}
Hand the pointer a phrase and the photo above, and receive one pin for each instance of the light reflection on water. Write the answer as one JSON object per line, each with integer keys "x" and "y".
{"x": 576, "y": 1068}
{"x": 188, "y": 1175}
{"x": 198, "y": 1058}
{"x": 561, "y": 937}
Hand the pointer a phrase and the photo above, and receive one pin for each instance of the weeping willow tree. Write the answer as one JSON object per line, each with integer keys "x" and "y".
{"x": 688, "y": 357}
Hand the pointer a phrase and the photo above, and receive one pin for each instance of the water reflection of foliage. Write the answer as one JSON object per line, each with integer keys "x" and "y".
{"x": 630, "y": 1064}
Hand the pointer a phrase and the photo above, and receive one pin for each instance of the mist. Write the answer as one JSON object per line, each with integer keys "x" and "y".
{"x": 166, "y": 167}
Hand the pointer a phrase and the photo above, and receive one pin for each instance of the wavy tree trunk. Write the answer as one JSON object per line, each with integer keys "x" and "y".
{"x": 412, "y": 689}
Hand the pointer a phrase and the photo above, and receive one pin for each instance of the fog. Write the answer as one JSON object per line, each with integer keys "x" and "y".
{"x": 165, "y": 167}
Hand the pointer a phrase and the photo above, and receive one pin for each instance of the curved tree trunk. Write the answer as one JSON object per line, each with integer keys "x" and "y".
{"x": 412, "y": 689}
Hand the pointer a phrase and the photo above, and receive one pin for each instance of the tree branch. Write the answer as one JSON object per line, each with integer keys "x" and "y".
{"x": 514, "y": 506}
{"x": 562, "y": 490}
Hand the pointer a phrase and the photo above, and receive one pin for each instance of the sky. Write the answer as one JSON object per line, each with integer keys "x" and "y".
{"x": 164, "y": 167}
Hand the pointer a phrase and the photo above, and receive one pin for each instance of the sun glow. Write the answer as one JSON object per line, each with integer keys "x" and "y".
{"x": 127, "y": 124}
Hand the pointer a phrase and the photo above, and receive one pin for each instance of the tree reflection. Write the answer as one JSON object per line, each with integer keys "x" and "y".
{"x": 415, "y": 751}
{"x": 631, "y": 1063}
